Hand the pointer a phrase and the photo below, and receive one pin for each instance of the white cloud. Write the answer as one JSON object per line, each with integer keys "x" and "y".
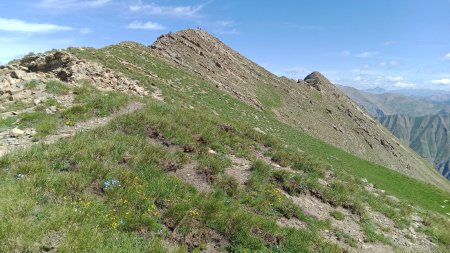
{"x": 404, "y": 85}
{"x": 224, "y": 23}
{"x": 86, "y": 31}
{"x": 223, "y": 27}
{"x": 389, "y": 43}
{"x": 146, "y": 26}
{"x": 444, "y": 81}
{"x": 296, "y": 72}
{"x": 389, "y": 63}
{"x": 447, "y": 56}
{"x": 20, "y": 45}
{"x": 176, "y": 11}
{"x": 394, "y": 78}
{"x": 72, "y": 4}
{"x": 364, "y": 68}
{"x": 358, "y": 79}
{"x": 346, "y": 53}
{"x": 16, "y": 25}
{"x": 366, "y": 54}
{"x": 227, "y": 32}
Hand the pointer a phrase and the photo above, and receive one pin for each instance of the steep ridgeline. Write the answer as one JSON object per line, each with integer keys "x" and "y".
{"x": 313, "y": 105}
{"x": 428, "y": 135}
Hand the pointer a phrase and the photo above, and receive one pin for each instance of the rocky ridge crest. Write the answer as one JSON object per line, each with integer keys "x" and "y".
{"x": 313, "y": 105}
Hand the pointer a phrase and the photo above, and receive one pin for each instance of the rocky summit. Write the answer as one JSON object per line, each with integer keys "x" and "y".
{"x": 187, "y": 146}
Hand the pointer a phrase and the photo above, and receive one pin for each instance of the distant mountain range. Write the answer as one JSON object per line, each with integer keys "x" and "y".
{"x": 421, "y": 119}
{"x": 427, "y": 94}
{"x": 392, "y": 103}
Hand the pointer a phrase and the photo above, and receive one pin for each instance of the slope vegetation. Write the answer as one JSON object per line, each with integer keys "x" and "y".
{"x": 313, "y": 105}
{"x": 196, "y": 169}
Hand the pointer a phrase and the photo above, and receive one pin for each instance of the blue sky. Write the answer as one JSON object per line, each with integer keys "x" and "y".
{"x": 361, "y": 43}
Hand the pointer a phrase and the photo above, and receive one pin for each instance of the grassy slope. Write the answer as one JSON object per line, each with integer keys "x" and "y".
{"x": 232, "y": 110}
{"x": 52, "y": 195}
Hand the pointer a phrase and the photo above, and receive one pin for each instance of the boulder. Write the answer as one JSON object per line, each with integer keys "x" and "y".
{"x": 18, "y": 74}
{"x": 16, "y": 132}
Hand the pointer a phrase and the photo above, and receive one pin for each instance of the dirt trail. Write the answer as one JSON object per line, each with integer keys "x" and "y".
{"x": 11, "y": 144}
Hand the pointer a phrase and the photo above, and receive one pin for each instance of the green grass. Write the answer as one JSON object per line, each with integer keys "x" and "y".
{"x": 337, "y": 215}
{"x": 16, "y": 106}
{"x": 268, "y": 96}
{"x": 371, "y": 234}
{"x": 61, "y": 191}
{"x": 232, "y": 110}
{"x": 44, "y": 124}
{"x": 89, "y": 102}
{"x": 82, "y": 186}
{"x": 7, "y": 122}
{"x": 31, "y": 85}
{"x": 342, "y": 236}
{"x": 57, "y": 88}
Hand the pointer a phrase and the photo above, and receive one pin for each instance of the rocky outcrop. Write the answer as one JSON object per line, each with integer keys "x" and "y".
{"x": 316, "y": 80}
{"x": 23, "y": 88}
{"x": 68, "y": 68}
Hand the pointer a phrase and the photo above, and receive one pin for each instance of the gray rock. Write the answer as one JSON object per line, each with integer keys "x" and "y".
{"x": 16, "y": 132}
{"x": 30, "y": 131}
{"x": 18, "y": 74}
{"x": 13, "y": 141}
{"x": 51, "y": 110}
{"x": 37, "y": 101}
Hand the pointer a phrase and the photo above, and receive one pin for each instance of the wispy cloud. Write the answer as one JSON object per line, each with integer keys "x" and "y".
{"x": 227, "y": 32}
{"x": 223, "y": 27}
{"x": 358, "y": 79}
{"x": 389, "y": 43}
{"x": 86, "y": 31}
{"x": 404, "y": 85}
{"x": 443, "y": 81}
{"x": 296, "y": 72}
{"x": 145, "y": 25}
{"x": 16, "y": 25}
{"x": 379, "y": 79}
{"x": 366, "y": 54}
{"x": 363, "y": 68}
{"x": 394, "y": 78}
{"x": 72, "y": 4}
{"x": 389, "y": 63}
{"x": 447, "y": 56}
{"x": 20, "y": 45}
{"x": 311, "y": 27}
{"x": 175, "y": 11}
{"x": 306, "y": 27}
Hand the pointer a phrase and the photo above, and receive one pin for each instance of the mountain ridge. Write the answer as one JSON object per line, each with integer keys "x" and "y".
{"x": 189, "y": 167}
{"x": 316, "y": 107}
